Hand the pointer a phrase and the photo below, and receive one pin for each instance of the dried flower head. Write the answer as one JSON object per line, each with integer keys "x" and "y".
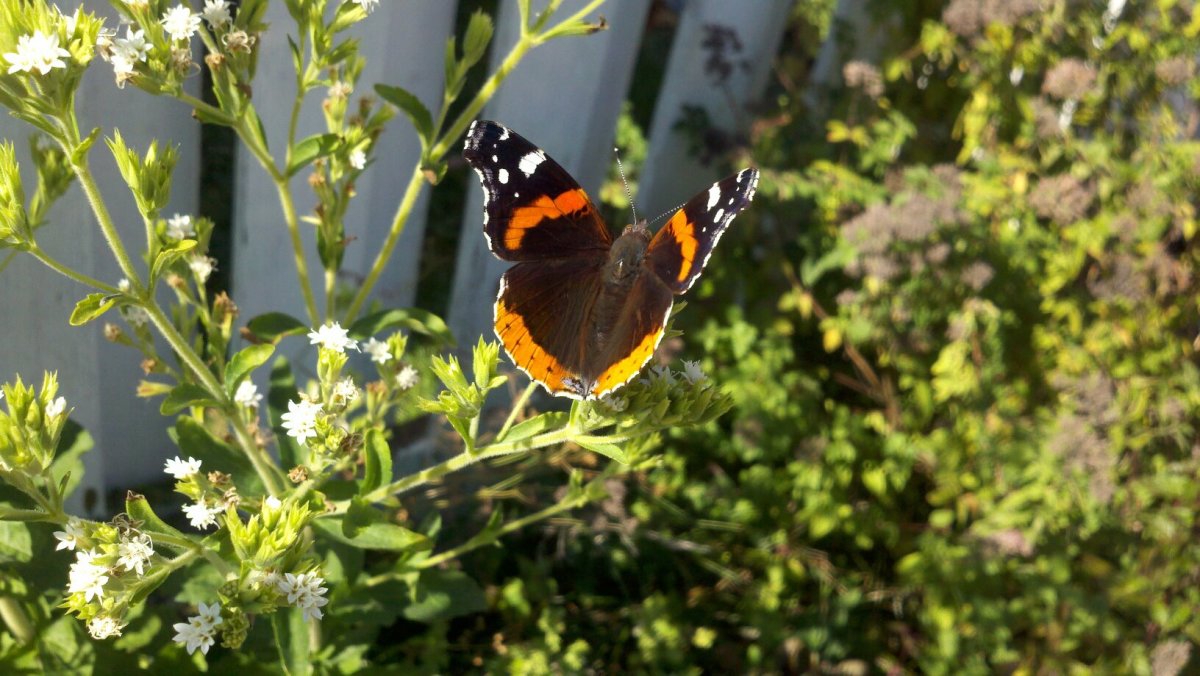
{"x": 977, "y": 275}
{"x": 1069, "y": 79}
{"x": 864, "y": 76}
{"x": 1062, "y": 199}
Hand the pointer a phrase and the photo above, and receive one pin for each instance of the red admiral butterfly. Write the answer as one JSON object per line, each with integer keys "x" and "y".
{"x": 582, "y": 313}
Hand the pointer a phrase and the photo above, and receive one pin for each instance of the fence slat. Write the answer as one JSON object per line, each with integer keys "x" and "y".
{"x": 672, "y": 174}
{"x": 97, "y": 378}
{"x": 403, "y": 43}
{"x": 565, "y": 96}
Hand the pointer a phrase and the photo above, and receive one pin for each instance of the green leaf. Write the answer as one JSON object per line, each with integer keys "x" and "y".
{"x": 604, "y": 448}
{"x": 94, "y": 305}
{"x": 536, "y": 425}
{"x": 444, "y": 594}
{"x": 137, "y": 507}
{"x": 281, "y": 390}
{"x": 311, "y": 148}
{"x": 195, "y": 440}
{"x": 416, "y": 111}
{"x": 475, "y": 42}
{"x": 274, "y": 326}
{"x": 67, "y": 467}
{"x": 377, "y": 458}
{"x": 169, "y": 254}
{"x": 185, "y": 395}
{"x": 244, "y": 362}
{"x": 16, "y": 544}
{"x": 365, "y": 527}
{"x": 291, "y": 638}
{"x": 412, "y": 319}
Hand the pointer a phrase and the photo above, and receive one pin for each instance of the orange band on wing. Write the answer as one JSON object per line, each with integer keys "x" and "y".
{"x": 622, "y": 371}
{"x": 683, "y": 232}
{"x": 527, "y": 354}
{"x": 544, "y": 207}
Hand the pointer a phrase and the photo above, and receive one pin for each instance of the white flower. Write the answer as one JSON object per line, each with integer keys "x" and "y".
{"x": 616, "y": 402}
{"x": 134, "y": 553}
{"x": 332, "y": 336}
{"x": 263, "y": 578}
{"x": 130, "y": 49}
{"x": 378, "y": 349}
{"x": 180, "y": 23}
{"x": 305, "y": 591}
{"x": 182, "y": 469}
{"x": 201, "y": 516}
{"x": 180, "y": 226}
{"x": 38, "y": 52}
{"x": 662, "y": 373}
{"x": 247, "y": 394}
{"x": 346, "y": 389}
{"x": 136, "y": 316}
{"x": 407, "y": 378}
{"x": 56, "y": 407}
{"x": 340, "y": 90}
{"x": 358, "y": 160}
{"x": 200, "y": 630}
{"x": 216, "y": 12}
{"x": 368, "y": 5}
{"x": 87, "y": 577}
{"x": 103, "y": 626}
{"x": 273, "y": 502}
{"x": 69, "y": 539}
{"x": 202, "y": 267}
{"x": 210, "y": 615}
{"x": 124, "y": 285}
{"x": 692, "y": 371}
{"x": 301, "y": 419}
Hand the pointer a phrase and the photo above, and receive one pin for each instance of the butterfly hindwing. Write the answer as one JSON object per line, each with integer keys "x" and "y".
{"x": 542, "y": 320}
{"x": 533, "y": 209}
{"x": 634, "y": 336}
{"x": 680, "y": 248}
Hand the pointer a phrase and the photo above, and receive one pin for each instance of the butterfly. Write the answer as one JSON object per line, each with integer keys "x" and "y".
{"x": 581, "y": 312}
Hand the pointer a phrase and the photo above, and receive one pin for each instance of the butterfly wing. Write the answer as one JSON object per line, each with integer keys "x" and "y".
{"x": 542, "y": 318}
{"x": 681, "y": 248}
{"x": 532, "y": 208}
{"x": 634, "y": 337}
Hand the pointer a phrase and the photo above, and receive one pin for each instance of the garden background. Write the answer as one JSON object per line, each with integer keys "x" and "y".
{"x": 958, "y": 323}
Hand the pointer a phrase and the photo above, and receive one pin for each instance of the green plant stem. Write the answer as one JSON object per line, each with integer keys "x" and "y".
{"x": 465, "y": 459}
{"x": 109, "y": 230}
{"x": 415, "y": 184}
{"x": 517, "y": 407}
{"x": 52, "y": 263}
{"x": 266, "y": 470}
{"x": 16, "y": 619}
{"x": 489, "y": 536}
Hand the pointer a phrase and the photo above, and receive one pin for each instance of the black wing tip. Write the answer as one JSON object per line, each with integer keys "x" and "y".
{"x": 481, "y": 130}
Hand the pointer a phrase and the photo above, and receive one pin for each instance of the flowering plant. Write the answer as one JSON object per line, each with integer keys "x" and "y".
{"x": 285, "y": 496}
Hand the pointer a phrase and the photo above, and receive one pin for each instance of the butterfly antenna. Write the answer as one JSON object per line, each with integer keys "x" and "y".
{"x": 668, "y": 211}
{"x": 621, "y": 169}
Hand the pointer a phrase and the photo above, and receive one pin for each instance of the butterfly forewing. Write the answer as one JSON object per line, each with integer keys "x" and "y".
{"x": 680, "y": 248}
{"x": 533, "y": 209}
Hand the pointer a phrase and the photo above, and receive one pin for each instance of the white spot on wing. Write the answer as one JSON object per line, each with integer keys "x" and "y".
{"x": 717, "y": 217}
{"x": 504, "y": 133}
{"x": 530, "y": 162}
{"x": 504, "y": 176}
{"x": 714, "y": 194}
{"x": 495, "y": 158}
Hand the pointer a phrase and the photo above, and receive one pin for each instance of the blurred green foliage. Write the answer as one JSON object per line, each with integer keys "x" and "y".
{"x": 966, "y": 377}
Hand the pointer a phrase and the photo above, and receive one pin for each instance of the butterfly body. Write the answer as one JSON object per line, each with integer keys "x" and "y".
{"x": 581, "y": 313}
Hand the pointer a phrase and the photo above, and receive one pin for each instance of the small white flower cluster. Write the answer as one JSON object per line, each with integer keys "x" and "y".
{"x": 407, "y": 378}
{"x": 56, "y": 407}
{"x": 301, "y": 419}
{"x": 124, "y": 53}
{"x": 345, "y": 390}
{"x": 200, "y": 631}
{"x": 247, "y": 394}
{"x": 201, "y": 514}
{"x": 202, "y": 267}
{"x": 358, "y": 160}
{"x": 304, "y": 591}
{"x": 180, "y": 226}
{"x": 333, "y": 337}
{"x": 368, "y": 5}
{"x": 69, "y": 538}
{"x": 38, "y": 52}
{"x": 104, "y": 626}
{"x": 86, "y": 576}
{"x": 216, "y": 13}
{"x": 378, "y": 351}
{"x": 134, "y": 553}
{"x": 691, "y": 372}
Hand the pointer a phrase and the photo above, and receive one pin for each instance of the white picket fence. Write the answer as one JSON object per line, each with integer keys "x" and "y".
{"x": 565, "y": 96}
